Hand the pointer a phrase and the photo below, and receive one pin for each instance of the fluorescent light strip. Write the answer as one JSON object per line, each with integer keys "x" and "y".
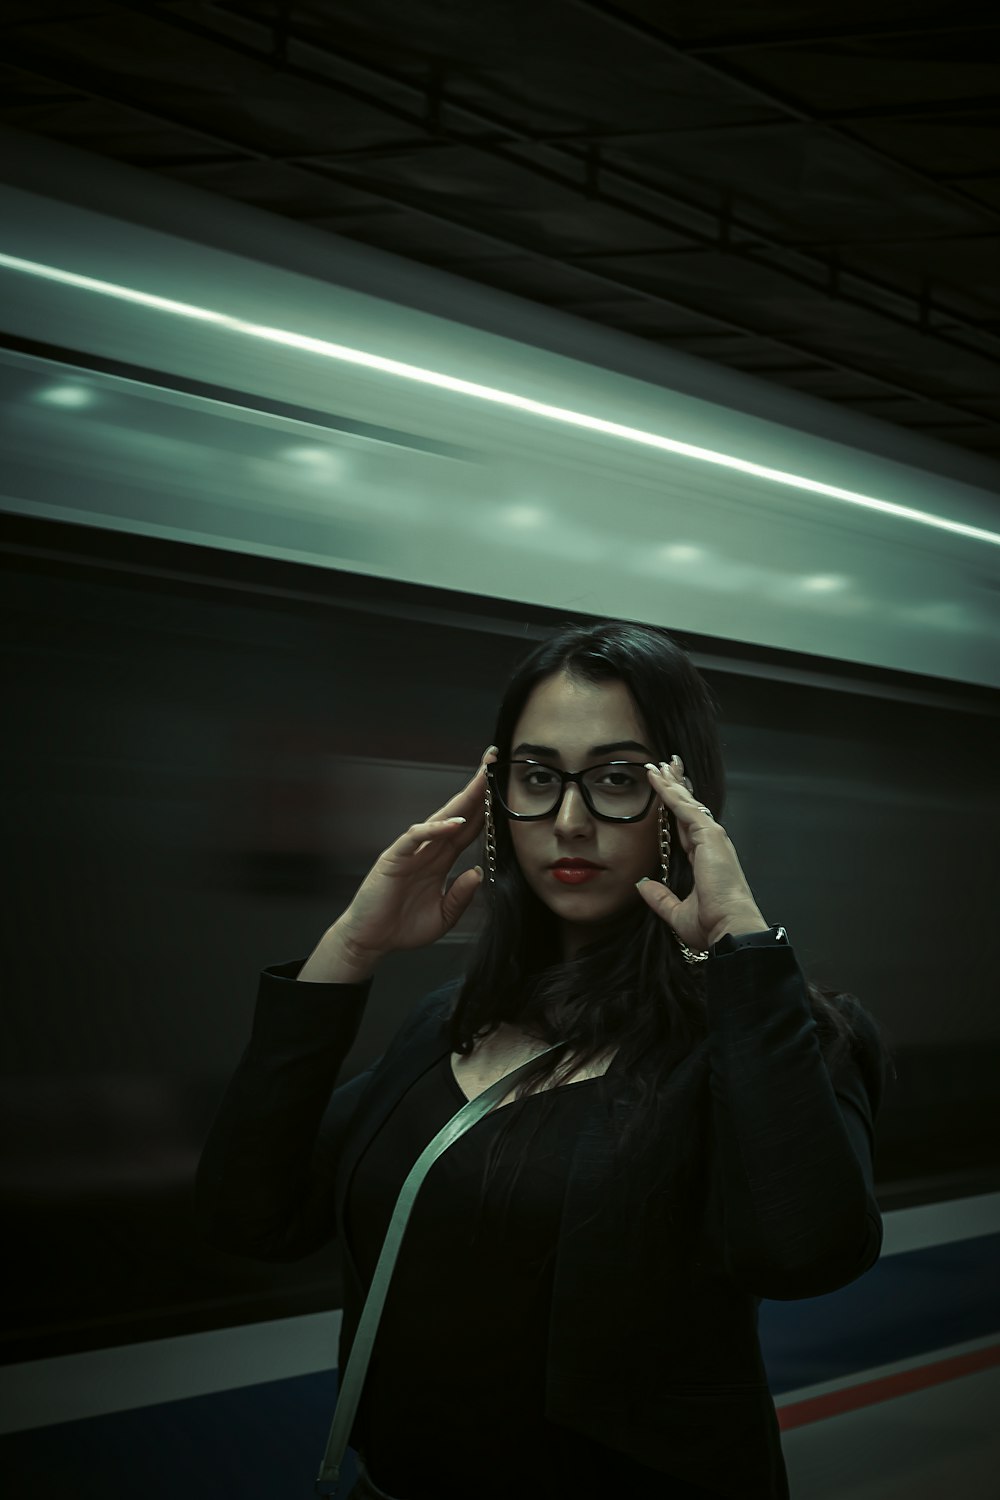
{"x": 489, "y": 393}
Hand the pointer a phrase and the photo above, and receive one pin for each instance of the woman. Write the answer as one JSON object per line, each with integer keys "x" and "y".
{"x": 574, "y": 1308}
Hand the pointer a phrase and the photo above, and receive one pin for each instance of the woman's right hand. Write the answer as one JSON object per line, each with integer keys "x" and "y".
{"x": 405, "y": 900}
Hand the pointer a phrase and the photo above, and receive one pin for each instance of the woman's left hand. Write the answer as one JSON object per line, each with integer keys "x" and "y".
{"x": 721, "y": 901}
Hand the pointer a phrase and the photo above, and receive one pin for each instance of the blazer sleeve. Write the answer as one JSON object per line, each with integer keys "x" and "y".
{"x": 264, "y": 1187}
{"x": 794, "y": 1138}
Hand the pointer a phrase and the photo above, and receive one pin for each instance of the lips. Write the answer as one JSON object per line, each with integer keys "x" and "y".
{"x": 575, "y": 871}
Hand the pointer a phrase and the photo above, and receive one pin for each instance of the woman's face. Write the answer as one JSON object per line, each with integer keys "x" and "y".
{"x": 570, "y": 724}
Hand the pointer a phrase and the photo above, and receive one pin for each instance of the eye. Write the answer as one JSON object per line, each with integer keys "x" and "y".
{"x": 532, "y": 776}
{"x": 621, "y": 776}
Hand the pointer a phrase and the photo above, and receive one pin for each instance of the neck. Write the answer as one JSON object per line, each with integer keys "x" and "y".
{"x": 575, "y": 938}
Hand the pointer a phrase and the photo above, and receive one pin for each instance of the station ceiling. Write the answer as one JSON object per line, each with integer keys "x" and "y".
{"x": 805, "y": 192}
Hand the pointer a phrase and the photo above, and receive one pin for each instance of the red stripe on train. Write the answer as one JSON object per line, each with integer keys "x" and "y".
{"x": 869, "y": 1392}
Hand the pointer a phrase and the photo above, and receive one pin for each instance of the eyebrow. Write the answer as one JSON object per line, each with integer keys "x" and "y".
{"x": 527, "y": 749}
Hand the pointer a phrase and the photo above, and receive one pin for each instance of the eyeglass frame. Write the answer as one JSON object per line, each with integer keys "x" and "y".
{"x": 566, "y": 777}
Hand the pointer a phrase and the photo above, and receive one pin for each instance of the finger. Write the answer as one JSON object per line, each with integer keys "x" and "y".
{"x": 470, "y": 804}
{"x": 658, "y": 898}
{"x": 669, "y": 790}
{"x": 435, "y": 830}
{"x": 689, "y": 816}
{"x": 678, "y": 764}
{"x": 472, "y": 794}
{"x": 460, "y": 895}
{"x": 674, "y": 793}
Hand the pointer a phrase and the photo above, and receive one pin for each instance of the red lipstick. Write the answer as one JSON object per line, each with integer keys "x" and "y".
{"x": 575, "y": 871}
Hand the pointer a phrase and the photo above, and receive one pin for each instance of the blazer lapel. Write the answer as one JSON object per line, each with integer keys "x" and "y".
{"x": 395, "y": 1075}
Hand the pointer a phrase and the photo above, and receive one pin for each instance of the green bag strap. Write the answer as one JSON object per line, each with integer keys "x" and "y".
{"x": 349, "y": 1394}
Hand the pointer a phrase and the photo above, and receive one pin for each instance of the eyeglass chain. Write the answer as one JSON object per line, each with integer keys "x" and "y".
{"x": 491, "y": 865}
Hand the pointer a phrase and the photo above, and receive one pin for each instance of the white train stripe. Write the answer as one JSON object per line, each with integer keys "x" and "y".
{"x": 940, "y": 1223}
{"x": 42, "y": 1392}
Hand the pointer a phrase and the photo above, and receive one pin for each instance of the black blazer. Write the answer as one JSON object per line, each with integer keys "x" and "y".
{"x": 667, "y": 1369}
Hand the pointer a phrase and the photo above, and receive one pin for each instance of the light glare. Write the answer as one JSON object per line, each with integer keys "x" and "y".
{"x": 524, "y": 516}
{"x": 681, "y": 552}
{"x": 69, "y": 397}
{"x": 824, "y": 584}
{"x": 488, "y": 393}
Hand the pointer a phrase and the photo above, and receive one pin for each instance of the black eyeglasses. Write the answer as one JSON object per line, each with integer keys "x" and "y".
{"x": 618, "y": 791}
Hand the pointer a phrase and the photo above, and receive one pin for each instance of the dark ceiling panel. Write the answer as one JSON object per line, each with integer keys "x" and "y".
{"x": 970, "y": 263}
{"x": 961, "y": 147}
{"x": 726, "y": 23}
{"x": 911, "y": 74}
{"x": 807, "y": 193}
{"x": 799, "y": 178}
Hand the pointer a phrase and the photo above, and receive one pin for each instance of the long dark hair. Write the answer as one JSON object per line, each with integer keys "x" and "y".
{"x": 632, "y": 989}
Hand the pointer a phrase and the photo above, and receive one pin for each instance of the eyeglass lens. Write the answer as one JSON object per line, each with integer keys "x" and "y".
{"x": 620, "y": 790}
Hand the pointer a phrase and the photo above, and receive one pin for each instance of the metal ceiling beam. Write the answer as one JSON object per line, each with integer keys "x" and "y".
{"x": 826, "y": 34}
{"x": 913, "y": 109}
{"x": 840, "y": 243}
{"x": 821, "y": 277}
{"x": 657, "y": 299}
{"x": 34, "y": 20}
{"x": 656, "y": 38}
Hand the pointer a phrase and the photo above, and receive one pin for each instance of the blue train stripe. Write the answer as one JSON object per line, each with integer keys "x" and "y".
{"x": 926, "y": 1298}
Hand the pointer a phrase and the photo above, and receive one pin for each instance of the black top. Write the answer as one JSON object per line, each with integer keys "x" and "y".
{"x": 549, "y": 1335}
{"x": 454, "y": 1399}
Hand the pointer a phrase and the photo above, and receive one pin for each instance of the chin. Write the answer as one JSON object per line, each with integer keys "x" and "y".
{"x": 580, "y": 905}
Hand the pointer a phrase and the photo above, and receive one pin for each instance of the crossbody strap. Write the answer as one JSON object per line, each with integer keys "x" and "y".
{"x": 349, "y": 1393}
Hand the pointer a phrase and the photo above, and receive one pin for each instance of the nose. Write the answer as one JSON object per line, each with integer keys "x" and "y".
{"x": 574, "y": 814}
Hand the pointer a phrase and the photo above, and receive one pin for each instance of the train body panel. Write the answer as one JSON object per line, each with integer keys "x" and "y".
{"x": 262, "y": 593}
{"x": 850, "y": 1373}
{"x": 362, "y": 433}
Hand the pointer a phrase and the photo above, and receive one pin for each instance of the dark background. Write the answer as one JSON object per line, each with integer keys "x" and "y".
{"x": 205, "y": 755}
{"x": 205, "y": 752}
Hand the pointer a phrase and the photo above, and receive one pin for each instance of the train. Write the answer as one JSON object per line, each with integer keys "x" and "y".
{"x": 280, "y": 514}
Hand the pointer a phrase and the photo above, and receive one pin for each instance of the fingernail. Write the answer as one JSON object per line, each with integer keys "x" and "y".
{"x": 650, "y": 767}
{"x": 641, "y": 882}
{"x": 454, "y": 820}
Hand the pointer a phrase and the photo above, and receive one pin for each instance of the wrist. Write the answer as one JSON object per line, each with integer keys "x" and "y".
{"x": 337, "y": 959}
{"x": 749, "y": 920}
